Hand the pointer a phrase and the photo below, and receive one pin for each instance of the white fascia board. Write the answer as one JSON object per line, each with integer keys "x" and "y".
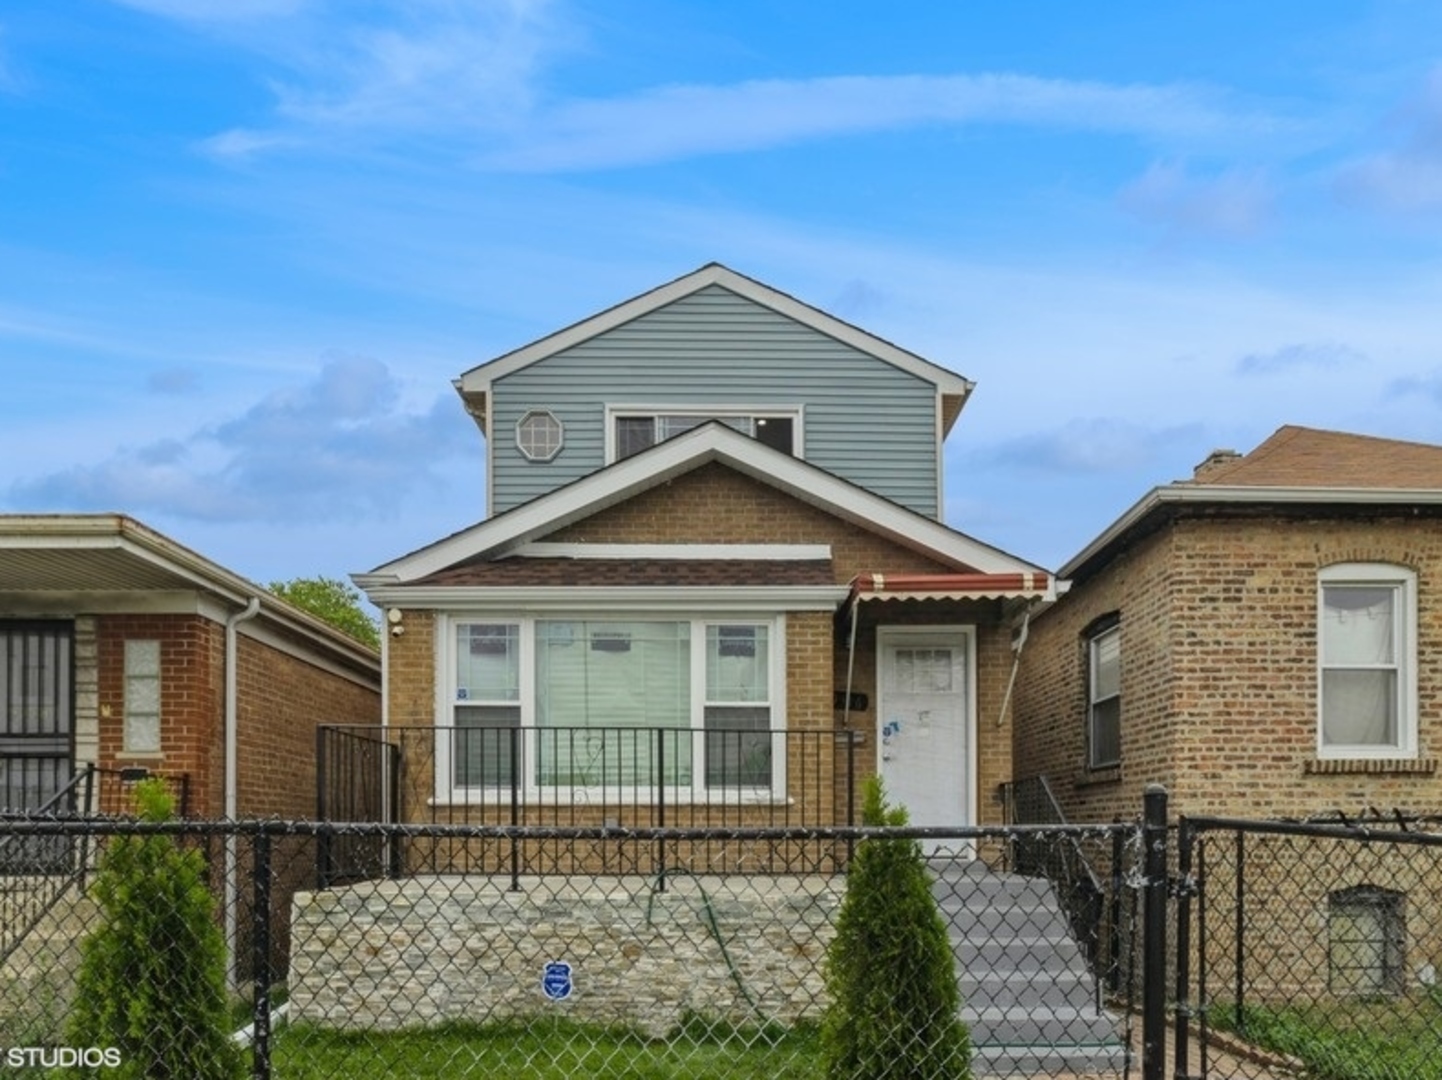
{"x": 522, "y": 599}
{"x": 712, "y": 552}
{"x": 710, "y": 442}
{"x": 1245, "y": 495}
{"x": 479, "y": 379}
{"x": 96, "y": 532}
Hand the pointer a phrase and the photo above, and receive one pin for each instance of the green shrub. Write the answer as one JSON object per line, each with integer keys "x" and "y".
{"x": 891, "y": 976}
{"x": 152, "y": 975}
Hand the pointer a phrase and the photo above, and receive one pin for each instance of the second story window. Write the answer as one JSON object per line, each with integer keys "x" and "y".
{"x": 634, "y": 431}
{"x": 1104, "y": 696}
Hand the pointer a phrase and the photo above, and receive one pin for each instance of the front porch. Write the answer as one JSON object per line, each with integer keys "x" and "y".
{"x": 608, "y": 778}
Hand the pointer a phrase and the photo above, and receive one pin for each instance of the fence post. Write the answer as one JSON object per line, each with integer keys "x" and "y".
{"x": 661, "y": 806}
{"x": 322, "y": 840}
{"x": 515, "y": 767}
{"x": 1185, "y": 891}
{"x": 260, "y": 958}
{"x": 1154, "y": 934}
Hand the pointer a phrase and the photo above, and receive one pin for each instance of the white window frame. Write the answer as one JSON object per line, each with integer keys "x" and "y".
{"x": 129, "y": 740}
{"x": 528, "y": 452}
{"x": 1403, "y": 582}
{"x": 1093, "y": 648}
{"x": 794, "y": 413}
{"x": 697, "y": 791}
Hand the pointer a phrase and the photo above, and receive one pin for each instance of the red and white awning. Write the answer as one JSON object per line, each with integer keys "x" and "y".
{"x": 1025, "y": 585}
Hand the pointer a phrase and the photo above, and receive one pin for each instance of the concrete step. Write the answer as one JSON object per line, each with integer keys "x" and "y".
{"x": 1054, "y": 1026}
{"x": 1028, "y": 995}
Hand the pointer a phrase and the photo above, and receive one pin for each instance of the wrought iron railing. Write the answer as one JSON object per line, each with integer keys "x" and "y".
{"x": 622, "y": 777}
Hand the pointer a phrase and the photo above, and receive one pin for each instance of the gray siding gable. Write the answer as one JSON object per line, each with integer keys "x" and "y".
{"x": 861, "y": 418}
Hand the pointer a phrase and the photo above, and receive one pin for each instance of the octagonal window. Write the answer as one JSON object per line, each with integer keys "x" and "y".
{"x": 539, "y": 435}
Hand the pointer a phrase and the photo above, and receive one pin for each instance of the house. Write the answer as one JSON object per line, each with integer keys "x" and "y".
{"x": 124, "y": 651}
{"x": 1256, "y": 639}
{"x": 714, "y": 583}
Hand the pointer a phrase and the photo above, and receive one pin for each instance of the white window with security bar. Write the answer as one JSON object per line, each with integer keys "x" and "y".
{"x": 558, "y": 706}
{"x": 1367, "y": 661}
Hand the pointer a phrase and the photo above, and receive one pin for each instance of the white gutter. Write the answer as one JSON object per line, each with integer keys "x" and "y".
{"x": 232, "y": 797}
{"x": 526, "y": 598}
{"x": 1246, "y": 495}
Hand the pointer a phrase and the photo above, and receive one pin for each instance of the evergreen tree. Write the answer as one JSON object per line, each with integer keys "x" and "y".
{"x": 152, "y": 974}
{"x": 893, "y": 1011}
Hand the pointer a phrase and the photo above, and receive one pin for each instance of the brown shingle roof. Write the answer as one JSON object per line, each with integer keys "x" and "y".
{"x": 659, "y": 572}
{"x": 1306, "y": 457}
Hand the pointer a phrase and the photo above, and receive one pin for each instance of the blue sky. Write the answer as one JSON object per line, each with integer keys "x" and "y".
{"x": 246, "y": 244}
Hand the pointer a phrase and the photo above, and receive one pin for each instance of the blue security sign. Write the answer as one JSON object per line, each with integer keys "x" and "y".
{"x": 556, "y": 981}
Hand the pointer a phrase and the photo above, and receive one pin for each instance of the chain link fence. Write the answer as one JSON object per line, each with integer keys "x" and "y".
{"x": 586, "y": 951}
{"x": 1310, "y": 949}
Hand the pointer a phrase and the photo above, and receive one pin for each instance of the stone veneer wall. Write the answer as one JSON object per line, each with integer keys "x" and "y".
{"x": 422, "y": 951}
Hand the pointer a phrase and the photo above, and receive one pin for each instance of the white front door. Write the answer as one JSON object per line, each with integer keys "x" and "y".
{"x": 925, "y": 714}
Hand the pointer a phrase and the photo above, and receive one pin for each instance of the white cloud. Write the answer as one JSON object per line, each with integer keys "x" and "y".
{"x": 1235, "y": 202}
{"x": 1095, "y": 445}
{"x": 1293, "y": 357}
{"x": 340, "y": 447}
{"x": 682, "y": 121}
{"x": 1407, "y": 177}
{"x": 431, "y": 66}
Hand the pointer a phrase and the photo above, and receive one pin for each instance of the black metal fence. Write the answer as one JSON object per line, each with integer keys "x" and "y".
{"x": 560, "y": 777}
{"x": 1296, "y": 949}
{"x": 620, "y": 970}
{"x": 1310, "y": 948}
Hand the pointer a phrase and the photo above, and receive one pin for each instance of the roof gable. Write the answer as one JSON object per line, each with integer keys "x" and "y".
{"x": 711, "y": 442}
{"x": 475, "y": 384}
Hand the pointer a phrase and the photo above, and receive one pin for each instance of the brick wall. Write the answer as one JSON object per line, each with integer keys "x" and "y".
{"x": 281, "y": 699}
{"x": 714, "y": 504}
{"x": 1219, "y": 670}
{"x": 192, "y": 692}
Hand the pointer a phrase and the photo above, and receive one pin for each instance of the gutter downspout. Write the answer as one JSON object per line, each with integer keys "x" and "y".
{"x": 1015, "y": 663}
{"x": 850, "y": 662}
{"x": 232, "y": 797}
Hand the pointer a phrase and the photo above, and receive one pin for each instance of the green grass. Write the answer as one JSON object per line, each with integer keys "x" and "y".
{"x": 543, "y": 1051}
{"x": 1391, "y": 1040}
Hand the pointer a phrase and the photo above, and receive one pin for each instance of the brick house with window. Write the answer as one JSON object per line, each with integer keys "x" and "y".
{"x": 714, "y": 579}
{"x": 122, "y": 649}
{"x": 1255, "y": 638}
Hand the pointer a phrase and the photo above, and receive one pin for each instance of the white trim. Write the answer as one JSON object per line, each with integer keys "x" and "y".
{"x": 673, "y": 458}
{"x": 967, "y": 632}
{"x": 659, "y": 598}
{"x": 795, "y": 413}
{"x": 539, "y": 549}
{"x": 540, "y": 459}
{"x": 698, "y": 792}
{"x": 1403, "y": 580}
{"x": 1093, "y": 647}
{"x": 1246, "y": 495}
{"x": 479, "y": 379}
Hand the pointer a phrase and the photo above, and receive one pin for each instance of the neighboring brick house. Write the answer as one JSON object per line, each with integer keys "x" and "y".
{"x": 714, "y": 574}
{"x": 122, "y": 649}
{"x": 1259, "y": 639}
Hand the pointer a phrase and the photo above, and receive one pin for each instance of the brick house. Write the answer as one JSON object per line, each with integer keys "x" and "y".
{"x": 714, "y": 577}
{"x": 121, "y": 649}
{"x": 1255, "y": 638}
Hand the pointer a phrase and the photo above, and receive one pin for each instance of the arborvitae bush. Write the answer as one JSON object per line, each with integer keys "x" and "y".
{"x": 893, "y": 1012}
{"x": 152, "y": 974}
